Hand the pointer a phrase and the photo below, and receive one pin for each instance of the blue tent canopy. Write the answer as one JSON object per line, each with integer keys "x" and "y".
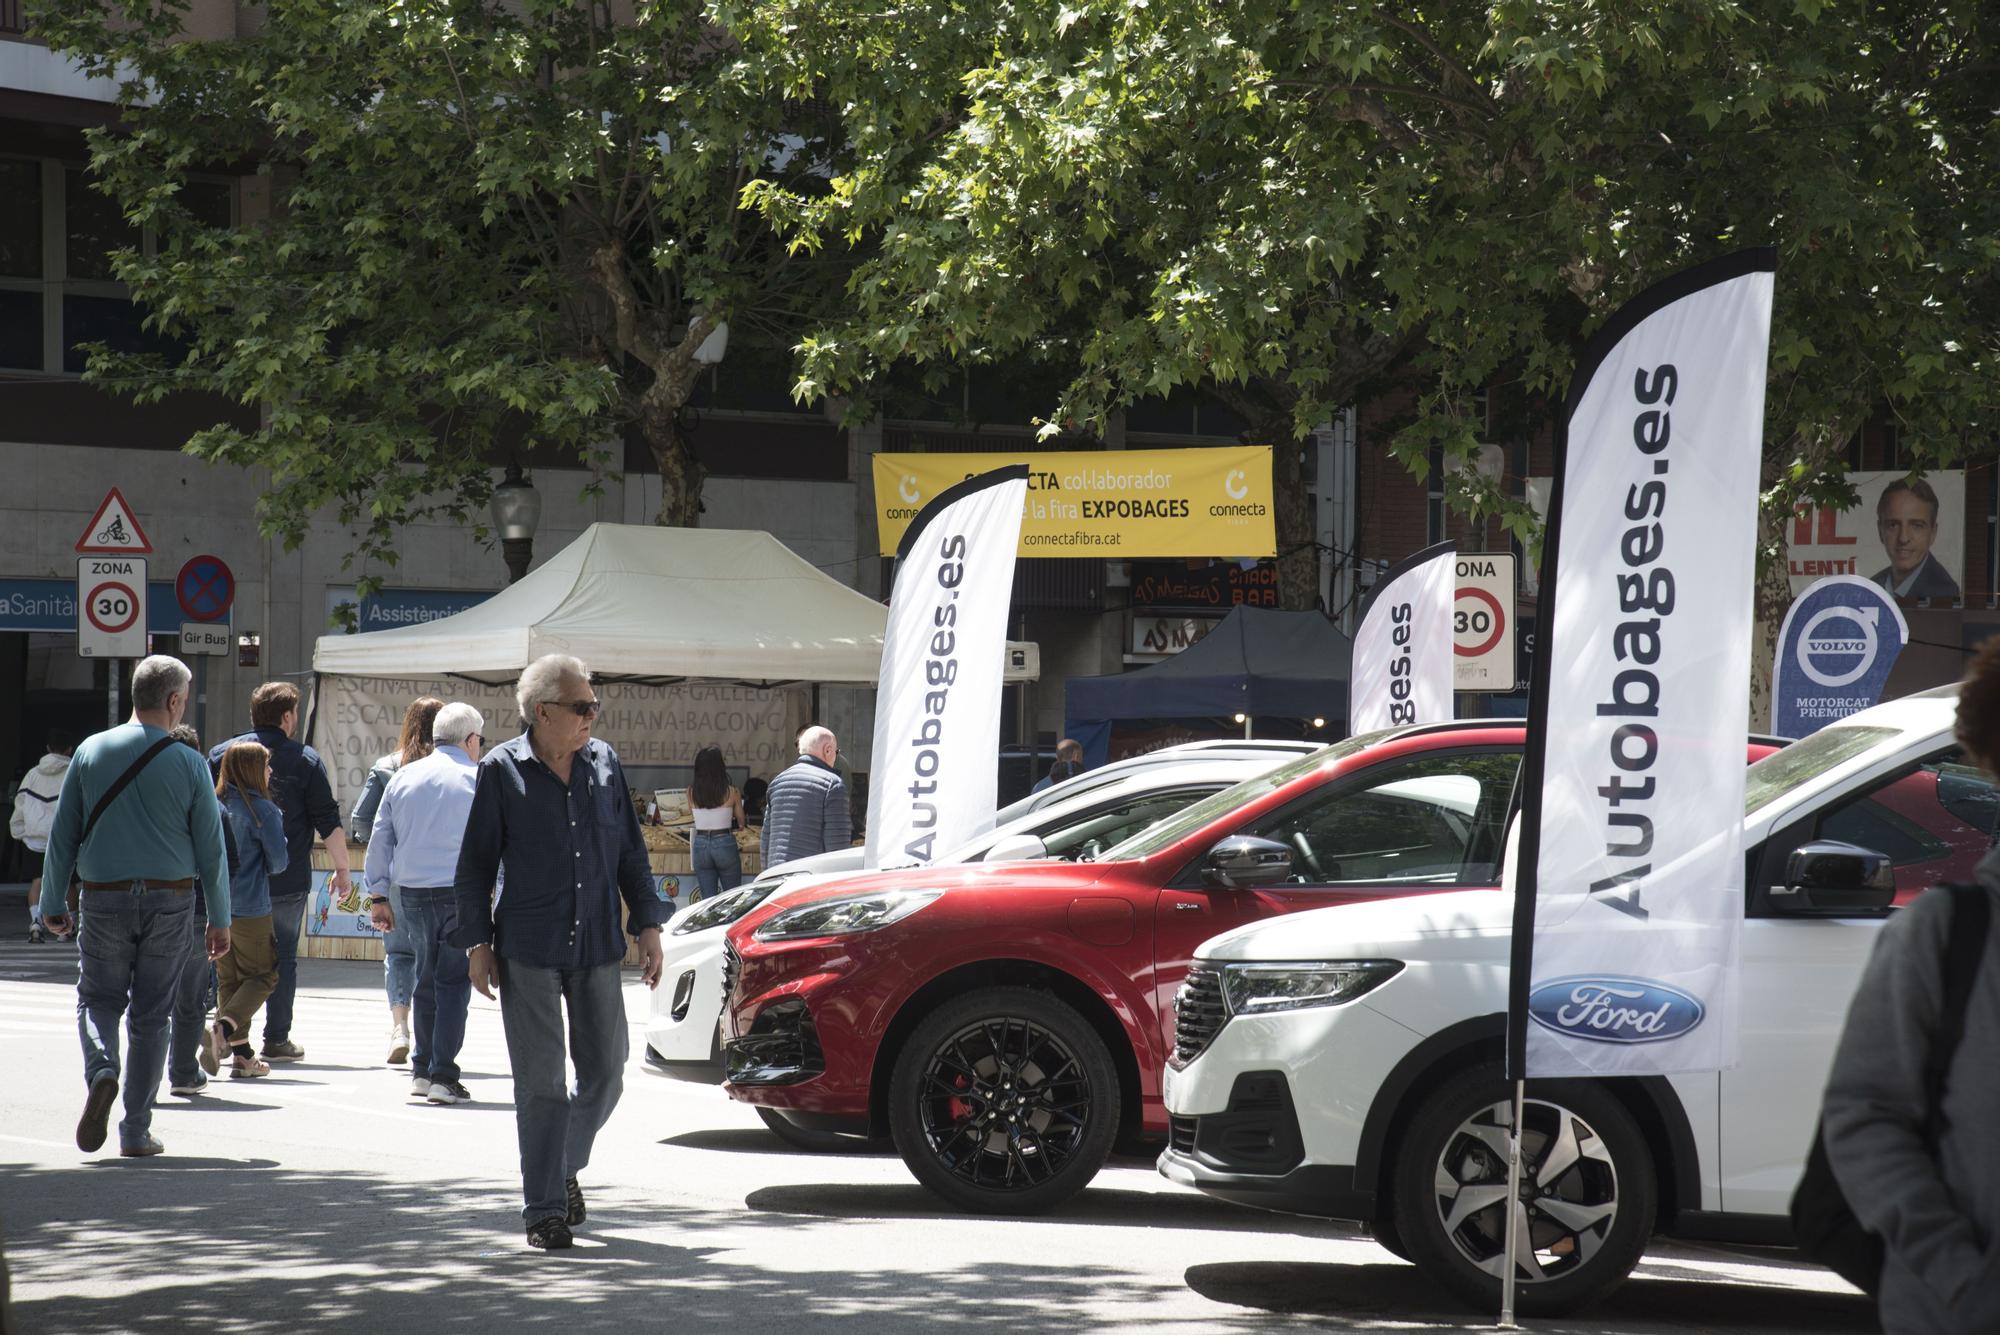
{"x": 1260, "y": 662}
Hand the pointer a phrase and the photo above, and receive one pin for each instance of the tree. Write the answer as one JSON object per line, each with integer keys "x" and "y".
{"x": 485, "y": 221}
{"x": 1283, "y": 200}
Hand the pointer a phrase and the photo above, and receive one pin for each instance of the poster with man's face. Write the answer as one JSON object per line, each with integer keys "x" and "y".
{"x": 1907, "y": 535}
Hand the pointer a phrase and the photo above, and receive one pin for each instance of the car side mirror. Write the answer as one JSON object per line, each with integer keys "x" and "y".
{"x": 1017, "y": 848}
{"x": 1243, "y": 861}
{"x": 1830, "y": 879}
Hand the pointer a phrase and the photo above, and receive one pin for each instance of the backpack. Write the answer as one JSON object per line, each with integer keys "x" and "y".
{"x": 1822, "y": 1222}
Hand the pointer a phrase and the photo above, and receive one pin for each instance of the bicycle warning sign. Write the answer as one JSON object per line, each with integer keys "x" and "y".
{"x": 114, "y": 530}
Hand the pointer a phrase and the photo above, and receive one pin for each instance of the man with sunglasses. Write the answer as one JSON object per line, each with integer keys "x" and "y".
{"x": 413, "y": 846}
{"x": 552, "y": 828}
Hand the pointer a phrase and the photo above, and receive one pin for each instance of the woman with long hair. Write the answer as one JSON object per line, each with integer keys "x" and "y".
{"x": 718, "y": 814}
{"x": 246, "y": 976}
{"x": 399, "y": 951}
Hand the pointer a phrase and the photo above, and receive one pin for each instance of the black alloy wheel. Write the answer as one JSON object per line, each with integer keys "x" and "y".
{"x": 818, "y": 1142}
{"x": 1004, "y": 1101}
{"x": 1587, "y": 1196}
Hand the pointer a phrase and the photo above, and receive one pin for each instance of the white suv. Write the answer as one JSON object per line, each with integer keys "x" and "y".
{"x": 1346, "y": 1062}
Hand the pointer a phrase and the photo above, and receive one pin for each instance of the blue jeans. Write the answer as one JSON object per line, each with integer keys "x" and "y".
{"x": 443, "y": 990}
{"x": 194, "y": 993}
{"x": 718, "y": 863}
{"x": 556, "y": 1124}
{"x": 130, "y": 949}
{"x": 399, "y": 956}
{"x": 287, "y": 915}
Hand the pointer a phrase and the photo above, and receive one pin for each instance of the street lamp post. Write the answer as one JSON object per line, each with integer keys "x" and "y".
{"x": 517, "y": 509}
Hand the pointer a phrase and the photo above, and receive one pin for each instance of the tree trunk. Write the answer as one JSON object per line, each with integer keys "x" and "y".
{"x": 681, "y": 470}
{"x": 1773, "y": 596}
{"x": 1298, "y": 552}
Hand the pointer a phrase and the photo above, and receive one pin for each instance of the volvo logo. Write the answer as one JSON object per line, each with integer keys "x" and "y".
{"x": 1614, "y": 1010}
{"x": 1839, "y": 657}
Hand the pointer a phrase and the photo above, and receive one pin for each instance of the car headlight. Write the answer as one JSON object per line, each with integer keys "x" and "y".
{"x": 844, "y": 917}
{"x": 723, "y": 909}
{"x": 1253, "y": 989}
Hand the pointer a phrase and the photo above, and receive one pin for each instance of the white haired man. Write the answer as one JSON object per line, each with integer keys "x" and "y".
{"x": 137, "y": 825}
{"x": 413, "y": 846}
{"x": 551, "y": 811}
{"x": 805, "y": 809}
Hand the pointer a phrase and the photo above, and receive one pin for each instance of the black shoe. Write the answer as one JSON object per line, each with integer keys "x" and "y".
{"x": 575, "y": 1195}
{"x": 551, "y": 1235}
{"x": 90, "y": 1129}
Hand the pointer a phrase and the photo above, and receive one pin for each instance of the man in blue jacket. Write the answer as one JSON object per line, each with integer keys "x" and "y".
{"x": 304, "y": 793}
{"x": 151, "y": 841}
{"x": 551, "y": 810}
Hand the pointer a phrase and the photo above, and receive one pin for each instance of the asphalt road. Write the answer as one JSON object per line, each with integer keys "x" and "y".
{"x": 321, "y": 1199}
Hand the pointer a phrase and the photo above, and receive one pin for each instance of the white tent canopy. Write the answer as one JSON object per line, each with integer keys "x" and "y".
{"x": 639, "y": 601}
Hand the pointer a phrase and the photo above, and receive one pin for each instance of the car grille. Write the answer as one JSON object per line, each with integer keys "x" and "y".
{"x": 1181, "y": 1134}
{"x": 1198, "y": 1014}
{"x": 732, "y": 964}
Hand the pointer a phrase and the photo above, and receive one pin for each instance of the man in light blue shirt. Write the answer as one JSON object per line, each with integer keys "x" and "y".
{"x": 136, "y": 867}
{"x": 414, "y": 847}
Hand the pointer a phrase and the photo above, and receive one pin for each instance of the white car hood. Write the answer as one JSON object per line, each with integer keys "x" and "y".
{"x": 833, "y": 860}
{"x": 1382, "y": 929}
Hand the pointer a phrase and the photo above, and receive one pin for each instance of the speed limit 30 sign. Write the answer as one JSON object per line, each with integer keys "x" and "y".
{"x": 111, "y": 607}
{"x": 1482, "y": 622}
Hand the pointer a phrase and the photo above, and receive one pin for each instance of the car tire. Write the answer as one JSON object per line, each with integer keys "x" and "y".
{"x": 1004, "y": 1101}
{"x": 1383, "y": 1229}
{"x": 816, "y": 1142}
{"x": 1588, "y": 1202}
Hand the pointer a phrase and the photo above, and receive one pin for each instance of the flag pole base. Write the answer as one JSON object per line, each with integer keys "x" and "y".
{"x": 1513, "y": 1204}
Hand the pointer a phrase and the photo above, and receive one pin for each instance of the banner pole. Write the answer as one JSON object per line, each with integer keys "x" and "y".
{"x": 1513, "y": 1203}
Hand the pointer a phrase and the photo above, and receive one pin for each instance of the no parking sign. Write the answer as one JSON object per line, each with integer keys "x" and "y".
{"x": 205, "y": 589}
{"x": 1482, "y": 622}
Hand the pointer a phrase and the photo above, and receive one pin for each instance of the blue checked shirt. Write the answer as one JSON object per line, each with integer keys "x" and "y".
{"x": 570, "y": 852}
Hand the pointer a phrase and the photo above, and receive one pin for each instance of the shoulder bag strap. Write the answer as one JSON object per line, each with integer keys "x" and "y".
{"x": 124, "y": 781}
{"x": 1971, "y": 917}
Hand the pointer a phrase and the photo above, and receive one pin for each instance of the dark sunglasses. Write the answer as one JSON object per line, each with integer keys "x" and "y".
{"x": 580, "y": 708}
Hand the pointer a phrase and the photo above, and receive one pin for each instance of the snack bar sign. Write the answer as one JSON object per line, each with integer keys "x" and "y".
{"x": 1105, "y": 504}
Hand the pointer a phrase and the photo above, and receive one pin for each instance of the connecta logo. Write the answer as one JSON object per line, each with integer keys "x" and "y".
{"x": 1237, "y": 484}
{"x": 909, "y": 490}
{"x": 1614, "y": 1010}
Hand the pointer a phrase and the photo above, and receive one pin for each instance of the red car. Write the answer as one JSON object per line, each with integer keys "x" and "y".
{"x": 1007, "y": 1024}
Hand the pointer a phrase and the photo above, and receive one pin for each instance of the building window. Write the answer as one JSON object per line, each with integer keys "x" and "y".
{"x": 57, "y": 288}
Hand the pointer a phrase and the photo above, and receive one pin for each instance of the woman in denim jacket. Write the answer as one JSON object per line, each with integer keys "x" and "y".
{"x": 246, "y": 975}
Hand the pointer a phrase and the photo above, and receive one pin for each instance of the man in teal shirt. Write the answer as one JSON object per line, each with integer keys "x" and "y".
{"x": 136, "y": 875}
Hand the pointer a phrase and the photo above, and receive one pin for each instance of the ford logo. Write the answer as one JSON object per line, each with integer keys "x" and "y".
{"x": 1614, "y": 1010}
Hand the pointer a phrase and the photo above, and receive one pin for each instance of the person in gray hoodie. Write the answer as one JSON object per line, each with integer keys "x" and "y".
{"x": 1932, "y": 1197}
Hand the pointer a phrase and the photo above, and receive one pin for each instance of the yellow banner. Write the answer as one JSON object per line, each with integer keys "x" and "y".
{"x": 1105, "y": 503}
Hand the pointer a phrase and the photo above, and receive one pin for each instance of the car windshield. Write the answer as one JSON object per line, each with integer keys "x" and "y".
{"x": 1175, "y": 828}
{"x": 1803, "y": 761}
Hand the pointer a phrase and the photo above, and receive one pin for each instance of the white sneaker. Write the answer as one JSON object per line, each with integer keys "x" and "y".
{"x": 399, "y": 1045}
{"x": 449, "y": 1091}
{"x": 419, "y": 1088}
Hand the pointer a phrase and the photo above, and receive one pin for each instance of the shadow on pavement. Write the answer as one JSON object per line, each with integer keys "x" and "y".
{"x": 253, "y": 1249}
{"x": 756, "y": 1140}
{"x": 1096, "y": 1205}
{"x": 1402, "y": 1292}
